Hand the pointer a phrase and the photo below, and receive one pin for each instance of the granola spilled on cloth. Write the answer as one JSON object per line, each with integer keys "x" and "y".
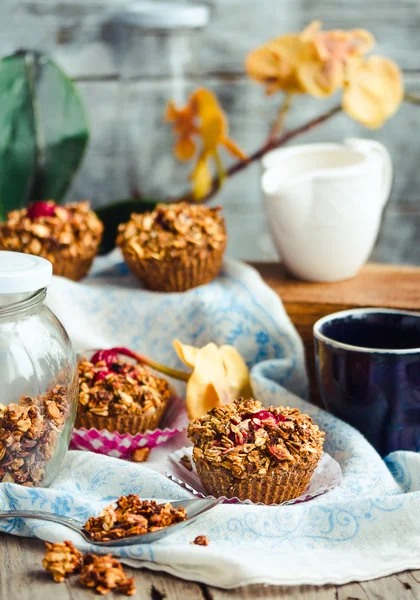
{"x": 45, "y": 228}
{"x": 201, "y": 540}
{"x": 119, "y": 387}
{"x": 140, "y": 454}
{"x": 246, "y": 438}
{"x": 105, "y": 573}
{"x": 132, "y": 516}
{"x": 28, "y": 435}
{"x": 62, "y": 559}
{"x": 172, "y": 230}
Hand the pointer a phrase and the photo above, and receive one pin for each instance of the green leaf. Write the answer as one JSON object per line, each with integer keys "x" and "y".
{"x": 63, "y": 130}
{"x": 18, "y": 152}
{"x": 43, "y": 131}
{"x": 119, "y": 212}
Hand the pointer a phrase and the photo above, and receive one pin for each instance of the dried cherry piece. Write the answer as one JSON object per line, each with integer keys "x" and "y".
{"x": 111, "y": 356}
{"x": 41, "y": 209}
{"x": 263, "y": 416}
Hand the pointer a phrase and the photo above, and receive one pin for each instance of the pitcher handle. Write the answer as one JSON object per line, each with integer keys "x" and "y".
{"x": 368, "y": 147}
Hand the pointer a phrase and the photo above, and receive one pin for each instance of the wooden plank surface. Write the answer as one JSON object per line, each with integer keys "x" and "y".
{"x": 377, "y": 285}
{"x": 380, "y": 285}
{"x": 23, "y": 578}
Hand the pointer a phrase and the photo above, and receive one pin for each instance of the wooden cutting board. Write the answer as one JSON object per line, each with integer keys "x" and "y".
{"x": 385, "y": 286}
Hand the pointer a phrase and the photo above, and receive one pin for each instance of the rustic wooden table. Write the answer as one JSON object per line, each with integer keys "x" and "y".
{"x": 22, "y": 578}
{"x": 21, "y": 573}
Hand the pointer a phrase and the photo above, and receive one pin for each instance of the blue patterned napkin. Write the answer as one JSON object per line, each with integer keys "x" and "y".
{"x": 366, "y": 528}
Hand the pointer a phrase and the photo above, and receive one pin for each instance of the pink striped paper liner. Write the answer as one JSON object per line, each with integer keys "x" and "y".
{"x": 121, "y": 445}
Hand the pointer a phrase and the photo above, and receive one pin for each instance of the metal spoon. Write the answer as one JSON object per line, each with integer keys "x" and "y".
{"x": 193, "y": 509}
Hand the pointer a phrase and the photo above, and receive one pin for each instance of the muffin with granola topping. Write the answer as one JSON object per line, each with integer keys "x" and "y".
{"x": 246, "y": 451}
{"x": 119, "y": 395}
{"x": 175, "y": 247}
{"x": 68, "y": 236}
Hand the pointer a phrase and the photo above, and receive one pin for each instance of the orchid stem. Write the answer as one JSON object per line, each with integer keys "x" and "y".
{"x": 174, "y": 373}
{"x": 281, "y": 116}
{"x": 412, "y": 98}
{"x": 271, "y": 144}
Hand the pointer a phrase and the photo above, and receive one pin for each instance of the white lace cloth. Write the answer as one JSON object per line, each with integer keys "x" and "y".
{"x": 366, "y": 528}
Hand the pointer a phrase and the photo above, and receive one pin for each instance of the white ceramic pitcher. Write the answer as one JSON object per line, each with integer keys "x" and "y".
{"x": 324, "y": 204}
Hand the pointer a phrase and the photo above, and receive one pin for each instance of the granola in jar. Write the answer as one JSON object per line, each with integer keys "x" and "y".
{"x": 175, "y": 247}
{"x": 247, "y": 451}
{"x": 38, "y": 375}
{"x": 119, "y": 395}
{"x": 132, "y": 516}
{"x": 68, "y": 236}
{"x": 29, "y": 436}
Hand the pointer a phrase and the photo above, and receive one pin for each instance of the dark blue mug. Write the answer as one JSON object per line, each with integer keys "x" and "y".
{"x": 368, "y": 370}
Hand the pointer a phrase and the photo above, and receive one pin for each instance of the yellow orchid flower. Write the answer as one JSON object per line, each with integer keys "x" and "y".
{"x": 219, "y": 376}
{"x": 373, "y": 92}
{"x": 310, "y": 62}
{"x": 322, "y": 65}
{"x": 203, "y": 118}
{"x": 183, "y": 120}
{"x": 274, "y": 64}
{"x": 319, "y": 63}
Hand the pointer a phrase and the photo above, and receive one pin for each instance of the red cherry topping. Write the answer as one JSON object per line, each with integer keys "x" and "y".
{"x": 265, "y": 415}
{"x": 111, "y": 356}
{"x": 100, "y": 376}
{"x": 41, "y": 209}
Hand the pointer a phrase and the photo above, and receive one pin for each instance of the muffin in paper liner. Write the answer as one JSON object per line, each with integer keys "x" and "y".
{"x": 252, "y": 452}
{"x": 177, "y": 274}
{"x": 325, "y": 478}
{"x": 121, "y": 445}
{"x": 119, "y": 434}
{"x": 69, "y": 236}
{"x": 123, "y": 424}
{"x": 175, "y": 247}
{"x": 73, "y": 268}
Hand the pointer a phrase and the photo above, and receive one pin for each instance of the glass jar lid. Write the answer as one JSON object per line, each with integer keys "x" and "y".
{"x": 23, "y": 273}
{"x": 165, "y": 15}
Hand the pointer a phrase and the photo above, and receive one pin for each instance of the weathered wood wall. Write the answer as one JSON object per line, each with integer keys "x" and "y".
{"x": 77, "y": 34}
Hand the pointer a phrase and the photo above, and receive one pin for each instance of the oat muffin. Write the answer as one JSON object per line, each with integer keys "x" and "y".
{"x": 68, "y": 236}
{"x": 119, "y": 395}
{"x": 175, "y": 247}
{"x": 250, "y": 452}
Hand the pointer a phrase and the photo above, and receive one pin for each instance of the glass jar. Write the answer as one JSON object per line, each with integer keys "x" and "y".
{"x": 157, "y": 51}
{"x": 38, "y": 374}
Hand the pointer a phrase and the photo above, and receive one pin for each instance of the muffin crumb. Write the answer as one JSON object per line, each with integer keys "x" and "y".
{"x": 201, "y": 540}
{"x": 140, "y": 455}
{"x": 186, "y": 462}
